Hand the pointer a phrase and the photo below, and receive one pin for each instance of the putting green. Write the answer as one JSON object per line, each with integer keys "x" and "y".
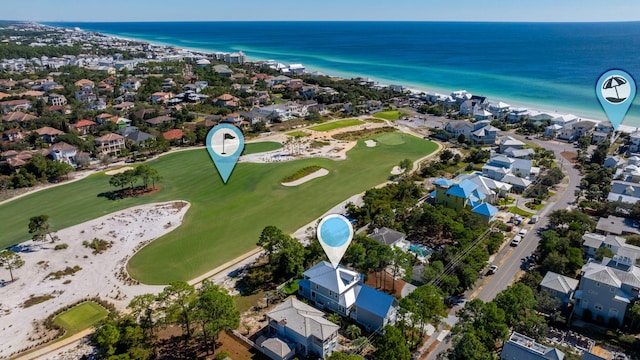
{"x": 225, "y": 220}
{"x": 80, "y": 317}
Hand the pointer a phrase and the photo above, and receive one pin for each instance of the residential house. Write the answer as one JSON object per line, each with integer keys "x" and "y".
{"x": 623, "y": 191}
{"x": 84, "y": 126}
{"x": 86, "y": 95}
{"x": 39, "y": 95}
{"x": 482, "y": 114}
{"x": 131, "y": 83}
{"x": 564, "y": 120}
{"x": 276, "y": 111}
{"x": 499, "y": 109}
{"x": 604, "y": 127}
{"x": 12, "y": 135}
{"x": 160, "y": 97}
{"x": 559, "y": 286}
{"x": 133, "y": 134}
{"x": 341, "y": 290}
{"x": 64, "y": 152}
{"x": 510, "y": 142}
{"x": 606, "y": 289}
{"x": 591, "y": 242}
{"x": 49, "y": 134}
{"x": 519, "y": 153}
{"x": 459, "y": 127}
{"x": 304, "y": 327}
{"x": 235, "y": 58}
{"x": 521, "y": 347}
{"x": 485, "y": 135}
{"x": 498, "y": 166}
{"x": 617, "y": 226}
{"x": 226, "y": 100}
{"x": 110, "y": 143}
{"x": 613, "y": 162}
{"x": 464, "y": 194}
{"x": 254, "y": 116}
{"x": 18, "y": 116}
{"x": 15, "y": 105}
{"x": 85, "y": 83}
{"x": 173, "y": 134}
{"x": 552, "y": 131}
{"x": 126, "y": 105}
{"x": 233, "y": 118}
{"x": 492, "y": 189}
{"x": 57, "y": 100}
{"x": 574, "y": 130}
{"x": 104, "y": 86}
{"x": 390, "y": 237}
{"x": 168, "y": 83}
{"x": 517, "y": 115}
{"x": 223, "y": 70}
{"x": 154, "y": 122}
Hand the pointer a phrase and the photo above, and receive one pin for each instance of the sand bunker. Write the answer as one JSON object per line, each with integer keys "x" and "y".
{"x": 118, "y": 171}
{"x": 397, "y": 170}
{"x": 102, "y": 275}
{"x": 371, "y": 143}
{"x": 313, "y": 175}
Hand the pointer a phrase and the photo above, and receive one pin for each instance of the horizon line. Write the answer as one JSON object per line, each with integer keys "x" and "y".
{"x": 326, "y": 20}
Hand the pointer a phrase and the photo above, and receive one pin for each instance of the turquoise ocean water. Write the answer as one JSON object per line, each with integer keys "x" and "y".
{"x": 546, "y": 66}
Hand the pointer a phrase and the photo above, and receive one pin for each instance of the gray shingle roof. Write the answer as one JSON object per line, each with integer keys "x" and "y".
{"x": 303, "y": 319}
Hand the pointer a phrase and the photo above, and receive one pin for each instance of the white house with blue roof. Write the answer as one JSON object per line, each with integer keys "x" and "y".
{"x": 341, "y": 290}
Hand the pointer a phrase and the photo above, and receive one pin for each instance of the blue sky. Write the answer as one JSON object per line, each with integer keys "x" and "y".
{"x": 420, "y": 10}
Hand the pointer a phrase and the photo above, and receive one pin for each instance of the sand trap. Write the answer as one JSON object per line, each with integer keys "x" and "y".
{"x": 103, "y": 274}
{"x": 313, "y": 175}
{"x": 118, "y": 171}
{"x": 397, "y": 170}
{"x": 371, "y": 143}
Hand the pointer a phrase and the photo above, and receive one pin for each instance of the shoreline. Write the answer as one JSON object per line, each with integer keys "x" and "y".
{"x": 414, "y": 88}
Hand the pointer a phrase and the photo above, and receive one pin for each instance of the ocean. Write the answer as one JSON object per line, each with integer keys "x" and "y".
{"x": 546, "y": 66}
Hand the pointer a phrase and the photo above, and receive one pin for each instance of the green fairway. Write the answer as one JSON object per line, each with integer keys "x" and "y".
{"x": 80, "y": 317}
{"x": 337, "y": 125}
{"x": 258, "y": 147}
{"x": 225, "y": 220}
{"x": 388, "y": 115}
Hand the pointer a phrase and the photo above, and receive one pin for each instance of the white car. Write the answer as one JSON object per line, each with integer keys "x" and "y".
{"x": 522, "y": 232}
{"x": 516, "y": 240}
{"x": 492, "y": 269}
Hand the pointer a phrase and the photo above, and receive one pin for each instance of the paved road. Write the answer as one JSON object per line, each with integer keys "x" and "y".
{"x": 508, "y": 259}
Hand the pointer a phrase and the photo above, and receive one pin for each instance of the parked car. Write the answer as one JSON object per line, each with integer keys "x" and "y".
{"x": 516, "y": 240}
{"x": 522, "y": 233}
{"x": 492, "y": 269}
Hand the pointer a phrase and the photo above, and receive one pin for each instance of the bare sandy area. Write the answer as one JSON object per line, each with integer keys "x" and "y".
{"x": 118, "y": 171}
{"x": 102, "y": 275}
{"x": 313, "y": 175}
{"x": 371, "y": 143}
{"x": 397, "y": 170}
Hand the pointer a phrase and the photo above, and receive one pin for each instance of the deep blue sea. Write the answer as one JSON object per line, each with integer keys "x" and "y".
{"x": 546, "y": 66}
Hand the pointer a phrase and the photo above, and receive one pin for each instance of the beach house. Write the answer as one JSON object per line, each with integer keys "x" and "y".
{"x": 521, "y": 347}
{"x": 559, "y": 286}
{"x": 459, "y": 127}
{"x": 297, "y": 328}
{"x": 342, "y": 291}
{"x": 390, "y": 237}
{"x": 464, "y": 194}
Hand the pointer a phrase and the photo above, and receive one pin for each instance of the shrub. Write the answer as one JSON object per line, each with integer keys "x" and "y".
{"x": 60, "y": 247}
{"x": 98, "y": 245}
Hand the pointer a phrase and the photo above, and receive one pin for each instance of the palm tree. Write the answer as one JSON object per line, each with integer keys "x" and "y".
{"x": 360, "y": 343}
{"x": 334, "y": 318}
{"x": 353, "y": 331}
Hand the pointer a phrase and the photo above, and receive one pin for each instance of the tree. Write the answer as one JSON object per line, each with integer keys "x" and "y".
{"x": 602, "y": 252}
{"x": 360, "y": 343}
{"x": 353, "y": 331}
{"x": 334, "y": 318}
{"x": 392, "y": 345}
{"x": 144, "y": 310}
{"x": 216, "y": 311}
{"x": 178, "y": 301}
{"x": 106, "y": 339}
{"x": 337, "y": 355}
{"x": 446, "y": 155}
{"x": 10, "y": 260}
{"x": 406, "y": 165}
{"x": 469, "y": 347}
{"x": 518, "y": 303}
{"x": 147, "y": 173}
{"x": 39, "y": 227}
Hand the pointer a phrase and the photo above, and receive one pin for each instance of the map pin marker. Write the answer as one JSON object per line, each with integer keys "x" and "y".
{"x": 616, "y": 90}
{"x": 225, "y": 143}
{"x": 335, "y": 234}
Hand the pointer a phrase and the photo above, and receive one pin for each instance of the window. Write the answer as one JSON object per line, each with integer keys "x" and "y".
{"x": 313, "y": 294}
{"x": 598, "y": 307}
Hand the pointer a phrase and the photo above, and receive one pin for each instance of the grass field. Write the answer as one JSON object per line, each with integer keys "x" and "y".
{"x": 80, "y": 317}
{"x": 298, "y": 134}
{"x": 224, "y": 221}
{"x": 259, "y": 147}
{"x": 337, "y": 125}
{"x": 388, "y": 115}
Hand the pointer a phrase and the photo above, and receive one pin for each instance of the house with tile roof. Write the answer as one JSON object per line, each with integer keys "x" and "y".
{"x": 173, "y": 134}
{"x": 559, "y": 286}
{"x": 606, "y": 289}
{"x": 110, "y": 143}
{"x": 340, "y": 290}
{"x": 84, "y": 126}
{"x": 8, "y": 106}
{"x": 49, "y": 134}
{"x": 18, "y": 116}
{"x": 299, "y": 329}
{"x": 64, "y": 152}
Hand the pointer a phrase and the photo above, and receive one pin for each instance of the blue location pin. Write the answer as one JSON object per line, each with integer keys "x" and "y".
{"x": 335, "y": 234}
{"x": 225, "y": 143}
{"x": 616, "y": 90}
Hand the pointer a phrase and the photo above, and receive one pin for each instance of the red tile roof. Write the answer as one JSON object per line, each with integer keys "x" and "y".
{"x": 84, "y": 122}
{"x": 173, "y": 134}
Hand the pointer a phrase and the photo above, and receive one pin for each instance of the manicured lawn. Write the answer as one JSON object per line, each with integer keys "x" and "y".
{"x": 298, "y": 134}
{"x": 388, "y": 115}
{"x": 225, "y": 220}
{"x": 518, "y": 211}
{"x": 259, "y": 147}
{"x": 80, "y": 317}
{"x": 337, "y": 124}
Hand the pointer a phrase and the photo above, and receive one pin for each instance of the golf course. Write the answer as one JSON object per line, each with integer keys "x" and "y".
{"x": 225, "y": 220}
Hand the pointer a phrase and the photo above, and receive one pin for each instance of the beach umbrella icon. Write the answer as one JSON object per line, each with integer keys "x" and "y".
{"x": 613, "y": 83}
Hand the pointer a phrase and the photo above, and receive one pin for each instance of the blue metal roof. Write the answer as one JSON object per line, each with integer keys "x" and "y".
{"x": 485, "y": 209}
{"x": 443, "y": 182}
{"x": 374, "y": 301}
{"x": 463, "y": 190}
